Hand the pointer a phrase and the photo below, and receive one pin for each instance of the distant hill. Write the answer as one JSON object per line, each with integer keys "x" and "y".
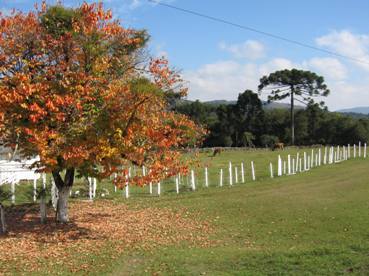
{"x": 360, "y": 110}
{"x": 272, "y": 105}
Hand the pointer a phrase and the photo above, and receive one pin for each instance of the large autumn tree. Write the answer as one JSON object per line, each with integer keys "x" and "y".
{"x": 298, "y": 85}
{"x": 77, "y": 90}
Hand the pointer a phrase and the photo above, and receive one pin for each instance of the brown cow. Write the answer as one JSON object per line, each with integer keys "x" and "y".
{"x": 217, "y": 151}
{"x": 278, "y": 146}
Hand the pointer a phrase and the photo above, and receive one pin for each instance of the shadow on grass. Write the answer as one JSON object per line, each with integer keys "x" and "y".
{"x": 24, "y": 220}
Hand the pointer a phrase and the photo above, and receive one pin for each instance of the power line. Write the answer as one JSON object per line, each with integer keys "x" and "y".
{"x": 285, "y": 39}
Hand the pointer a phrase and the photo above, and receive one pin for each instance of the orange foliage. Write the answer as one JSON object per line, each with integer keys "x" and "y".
{"x": 69, "y": 97}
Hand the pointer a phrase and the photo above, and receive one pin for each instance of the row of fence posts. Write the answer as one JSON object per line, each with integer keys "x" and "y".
{"x": 177, "y": 180}
{"x": 290, "y": 166}
{"x": 331, "y": 155}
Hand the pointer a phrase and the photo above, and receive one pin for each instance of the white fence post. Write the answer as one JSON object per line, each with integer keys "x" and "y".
{"x": 271, "y": 170}
{"x": 279, "y": 165}
{"x": 316, "y": 160}
{"x": 365, "y": 150}
{"x": 320, "y": 157}
{"x": 308, "y": 162}
{"x": 193, "y": 185}
{"x": 338, "y": 154}
{"x": 354, "y": 150}
{"x": 230, "y": 173}
{"x": 236, "y": 174}
{"x": 94, "y": 187}
{"x": 359, "y": 148}
{"x": 312, "y": 159}
{"x": 289, "y": 164}
{"x": 127, "y": 187}
{"x": 348, "y": 151}
{"x": 297, "y": 162}
{"x": 177, "y": 185}
{"x": 253, "y": 171}
{"x": 159, "y": 188}
{"x": 221, "y": 178}
{"x": 242, "y": 173}
{"x": 90, "y": 192}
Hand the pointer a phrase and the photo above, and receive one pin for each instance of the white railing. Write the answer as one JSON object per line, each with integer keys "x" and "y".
{"x": 13, "y": 172}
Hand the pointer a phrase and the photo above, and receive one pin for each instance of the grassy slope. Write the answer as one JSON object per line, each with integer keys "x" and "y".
{"x": 313, "y": 223}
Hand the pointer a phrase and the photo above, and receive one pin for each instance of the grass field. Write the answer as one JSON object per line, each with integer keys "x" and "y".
{"x": 314, "y": 223}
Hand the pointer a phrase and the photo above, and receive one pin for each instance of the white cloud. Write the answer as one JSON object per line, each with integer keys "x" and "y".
{"x": 221, "y": 80}
{"x": 347, "y": 94}
{"x": 330, "y": 68}
{"x": 135, "y": 4}
{"x": 250, "y": 49}
{"x": 226, "y": 79}
{"x": 276, "y": 64}
{"x": 349, "y": 44}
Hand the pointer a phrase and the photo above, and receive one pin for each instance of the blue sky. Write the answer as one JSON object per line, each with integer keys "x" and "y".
{"x": 220, "y": 61}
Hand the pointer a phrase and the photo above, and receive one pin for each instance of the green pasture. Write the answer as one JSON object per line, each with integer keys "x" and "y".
{"x": 311, "y": 223}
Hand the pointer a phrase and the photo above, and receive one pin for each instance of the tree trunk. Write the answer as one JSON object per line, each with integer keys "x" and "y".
{"x": 292, "y": 117}
{"x": 64, "y": 187}
{"x": 2, "y": 218}
{"x": 62, "y": 206}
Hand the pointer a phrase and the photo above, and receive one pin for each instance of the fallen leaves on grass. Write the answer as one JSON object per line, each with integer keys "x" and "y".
{"x": 93, "y": 227}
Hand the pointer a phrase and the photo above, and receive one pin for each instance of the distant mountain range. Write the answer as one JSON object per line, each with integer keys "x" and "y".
{"x": 360, "y": 110}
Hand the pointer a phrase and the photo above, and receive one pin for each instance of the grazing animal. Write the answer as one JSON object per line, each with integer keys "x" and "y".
{"x": 217, "y": 151}
{"x": 278, "y": 146}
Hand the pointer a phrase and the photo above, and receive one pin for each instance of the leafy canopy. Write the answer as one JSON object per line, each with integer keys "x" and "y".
{"x": 304, "y": 84}
{"x": 77, "y": 90}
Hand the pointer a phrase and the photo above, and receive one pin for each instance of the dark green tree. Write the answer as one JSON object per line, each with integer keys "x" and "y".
{"x": 248, "y": 116}
{"x": 299, "y": 85}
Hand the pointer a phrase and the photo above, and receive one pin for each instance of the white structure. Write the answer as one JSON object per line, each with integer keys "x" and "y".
{"x": 221, "y": 178}
{"x": 253, "y": 171}
{"x": 177, "y": 184}
{"x": 236, "y": 174}
{"x": 230, "y": 174}
{"x": 279, "y": 165}
{"x": 193, "y": 185}
{"x": 206, "y": 177}
{"x": 12, "y": 172}
{"x": 271, "y": 170}
{"x": 365, "y": 150}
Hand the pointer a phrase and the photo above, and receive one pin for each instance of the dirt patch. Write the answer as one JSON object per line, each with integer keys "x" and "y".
{"x": 93, "y": 227}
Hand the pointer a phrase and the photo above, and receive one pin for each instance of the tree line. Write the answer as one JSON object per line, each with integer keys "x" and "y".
{"x": 248, "y": 123}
